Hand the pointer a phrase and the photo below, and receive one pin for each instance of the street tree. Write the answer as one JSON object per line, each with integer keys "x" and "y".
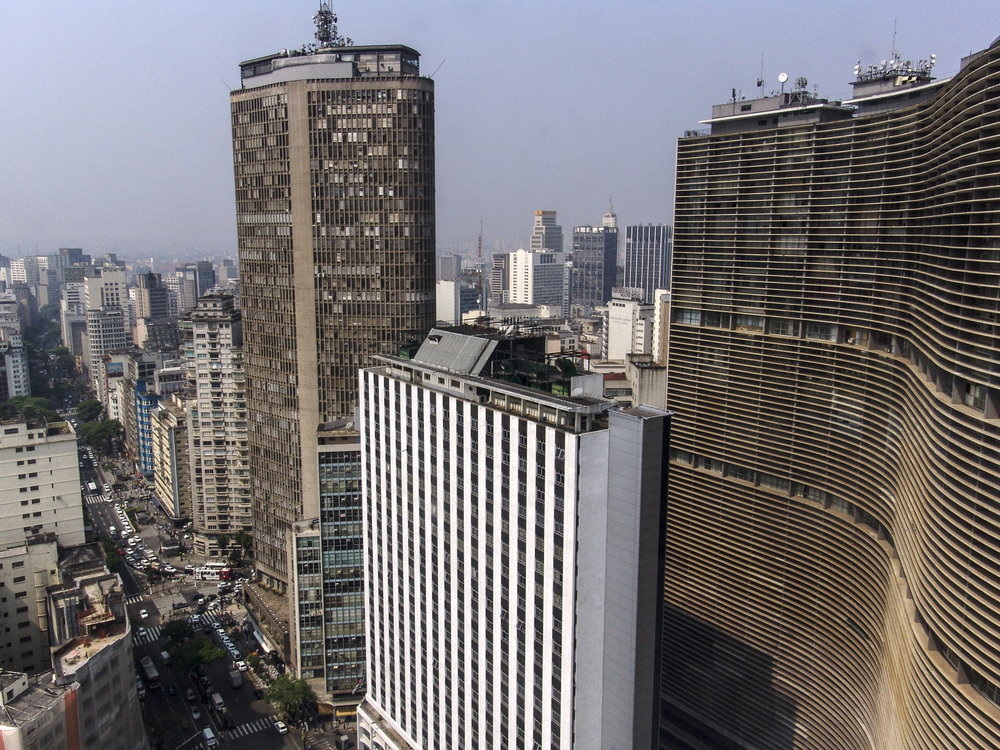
{"x": 89, "y": 410}
{"x": 289, "y": 694}
{"x": 101, "y": 434}
{"x": 244, "y": 541}
{"x": 177, "y": 631}
{"x": 200, "y": 651}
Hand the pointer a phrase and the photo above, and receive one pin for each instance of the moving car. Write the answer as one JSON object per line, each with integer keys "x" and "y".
{"x": 195, "y": 713}
{"x": 143, "y": 614}
{"x": 281, "y": 727}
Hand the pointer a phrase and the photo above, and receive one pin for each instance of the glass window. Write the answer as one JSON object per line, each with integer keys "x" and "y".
{"x": 749, "y": 324}
{"x": 783, "y": 327}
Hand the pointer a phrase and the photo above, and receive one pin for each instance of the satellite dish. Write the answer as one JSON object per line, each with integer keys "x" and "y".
{"x": 782, "y": 77}
{"x": 578, "y": 391}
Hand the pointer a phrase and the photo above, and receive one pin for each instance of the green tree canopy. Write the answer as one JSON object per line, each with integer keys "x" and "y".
{"x": 29, "y": 406}
{"x": 104, "y": 433}
{"x": 177, "y": 631}
{"x": 244, "y": 545}
{"x": 289, "y": 694}
{"x": 200, "y": 651}
{"x": 89, "y": 410}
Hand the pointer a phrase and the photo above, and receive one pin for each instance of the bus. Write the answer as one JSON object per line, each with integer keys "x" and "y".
{"x": 212, "y": 571}
{"x": 92, "y": 488}
{"x": 149, "y": 669}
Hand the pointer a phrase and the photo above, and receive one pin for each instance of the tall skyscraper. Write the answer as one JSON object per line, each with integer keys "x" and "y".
{"x": 595, "y": 259}
{"x": 334, "y": 170}
{"x": 514, "y": 552}
{"x": 546, "y": 234}
{"x": 108, "y": 324}
{"x": 647, "y": 258}
{"x": 832, "y": 556}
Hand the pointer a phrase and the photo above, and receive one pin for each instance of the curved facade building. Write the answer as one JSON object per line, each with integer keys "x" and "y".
{"x": 833, "y": 539}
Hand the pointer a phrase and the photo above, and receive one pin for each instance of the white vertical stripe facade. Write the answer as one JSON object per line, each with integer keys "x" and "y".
{"x": 402, "y": 629}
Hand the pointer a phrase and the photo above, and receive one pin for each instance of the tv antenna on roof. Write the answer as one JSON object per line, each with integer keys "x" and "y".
{"x": 760, "y": 78}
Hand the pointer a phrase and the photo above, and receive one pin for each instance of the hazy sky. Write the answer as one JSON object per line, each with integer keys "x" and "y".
{"x": 114, "y": 124}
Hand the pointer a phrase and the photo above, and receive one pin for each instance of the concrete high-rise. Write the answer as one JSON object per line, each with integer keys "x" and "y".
{"x": 513, "y": 552}
{"x": 647, "y": 258}
{"x": 108, "y": 324}
{"x": 537, "y": 278}
{"x": 595, "y": 260}
{"x": 220, "y": 478}
{"x": 832, "y": 560}
{"x": 334, "y": 169}
{"x": 546, "y": 234}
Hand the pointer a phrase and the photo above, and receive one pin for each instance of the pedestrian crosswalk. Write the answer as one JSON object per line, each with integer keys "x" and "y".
{"x": 143, "y": 636}
{"x": 95, "y": 499}
{"x": 250, "y": 727}
{"x": 134, "y": 599}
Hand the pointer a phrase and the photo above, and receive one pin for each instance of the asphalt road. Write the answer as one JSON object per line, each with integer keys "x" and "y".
{"x": 171, "y": 718}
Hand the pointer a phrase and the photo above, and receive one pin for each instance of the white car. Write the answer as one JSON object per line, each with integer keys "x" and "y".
{"x": 143, "y": 614}
{"x": 242, "y": 666}
{"x": 281, "y": 727}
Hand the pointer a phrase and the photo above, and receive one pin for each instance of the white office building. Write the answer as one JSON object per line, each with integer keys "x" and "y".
{"x": 513, "y": 554}
{"x": 537, "y": 278}
{"x": 629, "y": 329}
{"x": 109, "y": 325}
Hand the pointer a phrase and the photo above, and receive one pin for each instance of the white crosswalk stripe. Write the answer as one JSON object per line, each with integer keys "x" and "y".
{"x": 149, "y": 636}
{"x": 254, "y": 726}
{"x": 134, "y": 598}
{"x": 95, "y": 499}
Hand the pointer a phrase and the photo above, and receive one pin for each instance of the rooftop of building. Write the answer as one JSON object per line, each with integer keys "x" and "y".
{"x": 331, "y": 62}
{"x": 52, "y": 429}
{"x": 511, "y": 373}
{"x": 71, "y": 657}
{"x": 32, "y": 696}
{"x": 886, "y": 85}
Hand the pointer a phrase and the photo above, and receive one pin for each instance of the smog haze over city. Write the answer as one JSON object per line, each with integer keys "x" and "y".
{"x": 117, "y": 133}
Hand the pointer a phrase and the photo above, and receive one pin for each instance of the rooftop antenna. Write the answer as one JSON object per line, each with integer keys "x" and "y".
{"x": 438, "y": 67}
{"x": 326, "y": 28}
{"x": 760, "y": 78}
{"x": 894, "y": 53}
{"x": 782, "y": 77}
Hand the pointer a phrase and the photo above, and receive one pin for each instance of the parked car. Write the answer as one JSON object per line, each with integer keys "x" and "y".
{"x": 281, "y": 727}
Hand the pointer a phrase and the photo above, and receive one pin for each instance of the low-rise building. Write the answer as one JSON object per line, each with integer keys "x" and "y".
{"x": 36, "y": 714}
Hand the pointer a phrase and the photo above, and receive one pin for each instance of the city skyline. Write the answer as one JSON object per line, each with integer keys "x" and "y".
{"x": 147, "y": 170}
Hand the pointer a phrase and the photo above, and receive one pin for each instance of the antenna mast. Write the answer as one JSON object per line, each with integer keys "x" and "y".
{"x": 326, "y": 28}
{"x": 483, "y": 303}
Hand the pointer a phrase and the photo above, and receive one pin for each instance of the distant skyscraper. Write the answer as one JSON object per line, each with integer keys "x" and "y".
{"x": 449, "y": 267}
{"x": 647, "y": 258}
{"x": 833, "y": 562}
{"x": 108, "y": 324}
{"x": 595, "y": 258}
{"x": 334, "y": 172}
{"x": 500, "y": 279}
{"x": 152, "y": 298}
{"x": 546, "y": 234}
{"x": 537, "y": 278}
